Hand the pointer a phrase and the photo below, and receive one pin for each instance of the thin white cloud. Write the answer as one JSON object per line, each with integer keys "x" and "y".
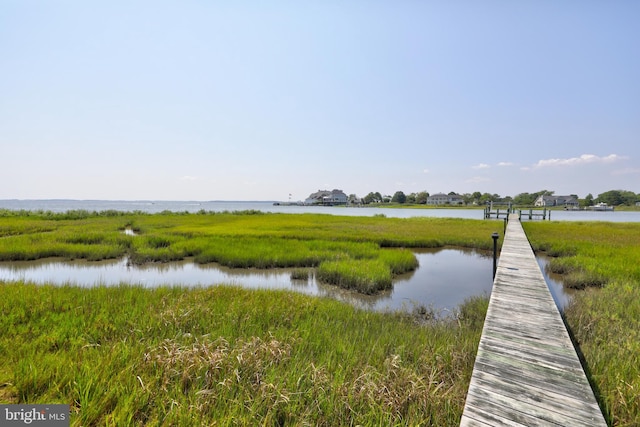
{"x": 425, "y": 171}
{"x": 576, "y": 161}
{"x": 481, "y": 166}
{"x": 505, "y": 164}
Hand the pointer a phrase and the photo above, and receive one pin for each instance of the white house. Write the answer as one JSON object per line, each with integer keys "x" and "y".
{"x": 545, "y": 201}
{"x": 325, "y": 197}
{"x": 445, "y": 199}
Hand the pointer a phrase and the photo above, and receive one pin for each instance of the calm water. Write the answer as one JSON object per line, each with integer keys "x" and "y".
{"x": 439, "y": 282}
{"x": 219, "y": 206}
{"x": 560, "y": 294}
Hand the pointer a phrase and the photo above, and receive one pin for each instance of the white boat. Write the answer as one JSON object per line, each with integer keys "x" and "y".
{"x": 600, "y": 207}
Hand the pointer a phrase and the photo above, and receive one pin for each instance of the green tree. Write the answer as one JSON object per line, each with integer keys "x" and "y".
{"x": 369, "y": 198}
{"x": 399, "y": 197}
{"x": 587, "y": 201}
{"x": 486, "y": 198}
{"x": 618, "y": 197}
{"x": 612, "y": 197}
{"x": 629, "y": 197}
{"x": 524, "y": 199}
{"x": 468, "y": 198}
{"x": 421, "y": 198}
{"x": 372, "y": 198}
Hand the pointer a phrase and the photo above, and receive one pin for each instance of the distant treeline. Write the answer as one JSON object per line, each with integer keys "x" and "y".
{"x": 612, "y": 198}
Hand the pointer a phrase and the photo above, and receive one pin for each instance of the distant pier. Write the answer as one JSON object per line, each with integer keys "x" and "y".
{"x": 503, "y": 211}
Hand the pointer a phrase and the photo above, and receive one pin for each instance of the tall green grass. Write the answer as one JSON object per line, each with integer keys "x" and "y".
{"x": 366, "y": 276}
{"x": 589, "y": 253}
{"x": 230, "y": 356}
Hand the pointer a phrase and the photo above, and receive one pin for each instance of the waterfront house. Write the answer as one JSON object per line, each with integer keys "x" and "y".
{"x": 445, "y": 199}
{"x": 325, "y": 197}
{"x": 549, "y": 201}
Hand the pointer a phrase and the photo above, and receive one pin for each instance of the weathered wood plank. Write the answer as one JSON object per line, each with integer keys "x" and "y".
{"x": 526, "y": 371}
{"x": 551, "y": 399}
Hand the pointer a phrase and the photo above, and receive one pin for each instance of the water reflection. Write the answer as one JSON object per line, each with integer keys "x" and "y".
{"x": 561, "y": 295}
{"x": 443, "y": 280}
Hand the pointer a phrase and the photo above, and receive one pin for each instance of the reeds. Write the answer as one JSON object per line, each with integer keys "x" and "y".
{"x": 300, "y": 274}
{"x": 367, "y": 276}
{"x": 225, "y": 355}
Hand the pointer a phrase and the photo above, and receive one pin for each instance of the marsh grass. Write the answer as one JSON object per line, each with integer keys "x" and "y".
{"x": 338, "y": 246}
{"x": 400, "y": 261}
{"x": 595, "y": 253}
{"x": 300, "y": 274}
{"x": 226, "y": 355}
{"x": 367, "y": 276}
{"x": 604, "y": 319}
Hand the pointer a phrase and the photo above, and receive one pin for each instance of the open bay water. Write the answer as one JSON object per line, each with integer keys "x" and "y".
{"x": 59, "y": 206}
{"x": 157, "y": 206}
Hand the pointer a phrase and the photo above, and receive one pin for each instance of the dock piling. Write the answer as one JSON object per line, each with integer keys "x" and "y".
{"x": 495, "y": 236}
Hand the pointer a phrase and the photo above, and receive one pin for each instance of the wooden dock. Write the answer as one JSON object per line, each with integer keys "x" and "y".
{"x": 527, "y": 372}
{"x": 543, "y": 214}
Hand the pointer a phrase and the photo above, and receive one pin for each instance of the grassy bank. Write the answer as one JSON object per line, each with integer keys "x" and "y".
{"x": 337, "y": 246}
{"x": 604, "y": 259}
{"x": 230, "y": 356}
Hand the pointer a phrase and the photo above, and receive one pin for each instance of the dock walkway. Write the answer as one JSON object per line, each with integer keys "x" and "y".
{"x": 526, "y": 371}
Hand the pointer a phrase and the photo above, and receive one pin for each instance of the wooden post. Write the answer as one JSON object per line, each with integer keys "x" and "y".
{"x": 495, "y": 236}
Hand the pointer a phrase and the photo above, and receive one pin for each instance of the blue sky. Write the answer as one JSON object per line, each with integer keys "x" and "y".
{"x": 243, "y": 100}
